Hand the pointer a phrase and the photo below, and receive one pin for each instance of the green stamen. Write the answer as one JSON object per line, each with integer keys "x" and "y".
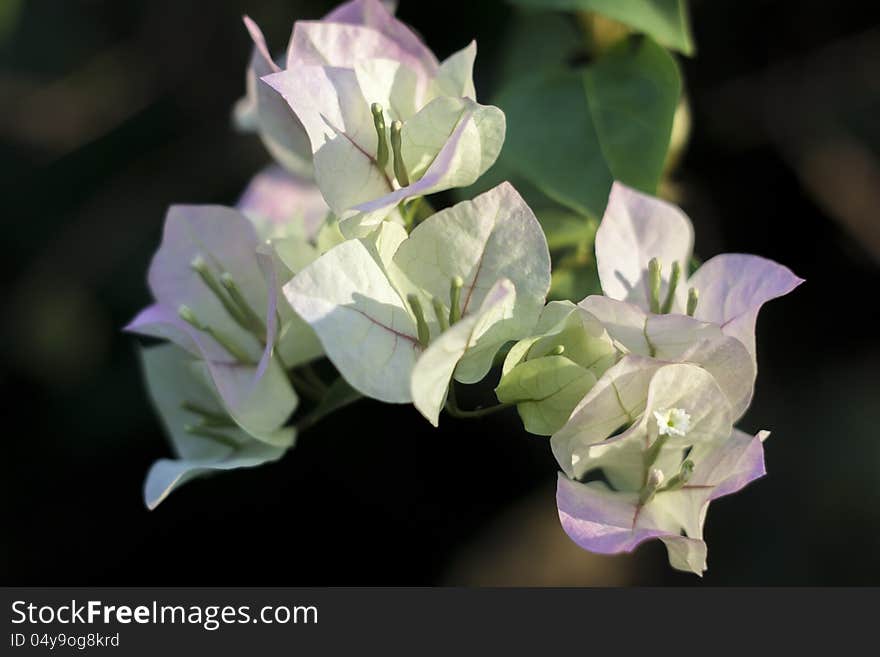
{"x": 253, "y": 322}
{"x": 200, "y": 266}
{"x": 379, "y": 123}
{"x": 440, "y": 312}
{"x": 558, "y": 350}
{"x": 679, "y": 480}
{"x": 652, "y": 485}
{"x": 654, "y": 281}
{"x": 693, "y": 298}
{"x": 209, "y": 418}
{"x": 399, "y": 166}
{"x": 188, "y": 316}
{"x": 455, "y": 299}
{"x": 673, "y": 283}
{"x": 421, "y": 324}
{"x": 211, "y": 434}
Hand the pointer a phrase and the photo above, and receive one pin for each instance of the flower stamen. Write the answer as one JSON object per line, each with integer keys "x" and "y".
{"x": 693, "y": 298}
{"x": 455, "y": 299}
{"x": 187, "y": 315}
{"x": 654, "y": 280}
{"x": 666, "y": 308}
{"x": 379, "y": 123}
{"x": 399, "y": 167}
{"x": 421, "y": 324}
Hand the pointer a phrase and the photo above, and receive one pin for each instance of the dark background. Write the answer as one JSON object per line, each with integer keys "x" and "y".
{"x": 111, "y": 111}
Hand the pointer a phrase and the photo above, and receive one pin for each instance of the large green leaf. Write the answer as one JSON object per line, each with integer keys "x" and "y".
{"x": 665, "y": 20}
{"x": 573, "y": 132}
{"x": 633, "y": 93}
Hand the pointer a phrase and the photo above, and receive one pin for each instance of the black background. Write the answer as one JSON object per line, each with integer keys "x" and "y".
{"x": 111, "y": 111}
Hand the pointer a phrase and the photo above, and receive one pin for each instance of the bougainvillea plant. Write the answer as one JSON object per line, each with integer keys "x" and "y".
{"x": 334, "y": 253}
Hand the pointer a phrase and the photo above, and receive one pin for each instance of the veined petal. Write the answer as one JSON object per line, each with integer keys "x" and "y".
{"x": 160, "y": 321}
{"x": 463, "y": 156}
{"x": 360, "y": 319}
{"x": 329, "y": 103}
{"x": 226, "y": 241}
{"x": 616, "y": 401}
{"x": 258, "y": 397}
{"x": 636, "y": 228}
{"x": 165, "y": 475}
{"x": 337, "y": 118}
{"x": 433, "y": 370}
{"x": 264, "y": 111}
{"x": 639, "y": 332}
{"x": 608, "y": 522}
{"x": 296, "y": 342}
{"x": 456, "y": 74}
{"x": 491, "y": 237}
{"x": 259, "y": 402}
{"x": 679, "y": 338}
{"x": 342, "y": 45}
{"x": 281, "y": 204}
{"x": 171, "y": 382}
{"x": 380, "y": 17}
{"x": 728, "y": 361}
{"x": 721, "y": 469}
{"x": 390, "y": 83}
{"x": 693, "y": 390}
{"x": 731, "y": 466}
{"x": 733, "y": 287}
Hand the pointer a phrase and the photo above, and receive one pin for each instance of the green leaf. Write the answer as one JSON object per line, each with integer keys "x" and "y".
{"x": 566, "y": 229}
{"x": 667, "y": 21}
{"x": 572, "y": 133}
{"x": 551, "y": 140}
{"x": 573, "y": 283}
{"x": 545, "y": 390}
{"x": 633, "y": 93}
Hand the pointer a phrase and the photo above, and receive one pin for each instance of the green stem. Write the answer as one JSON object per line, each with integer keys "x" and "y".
{"x": 309, "y": 375}
{"x": 453, "y": 409}
{"x": 304, "y": 386}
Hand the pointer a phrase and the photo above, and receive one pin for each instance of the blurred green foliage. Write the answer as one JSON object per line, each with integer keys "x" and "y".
{"x": 587, "y": 102}
{"x": 573, "y": 132}
{"x": 667, "y": 21}
{"x": 9, "y": 13}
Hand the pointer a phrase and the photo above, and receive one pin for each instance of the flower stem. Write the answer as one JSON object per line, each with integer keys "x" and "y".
{"x": 303, "y": 385}
{"x": 453, "y": 409}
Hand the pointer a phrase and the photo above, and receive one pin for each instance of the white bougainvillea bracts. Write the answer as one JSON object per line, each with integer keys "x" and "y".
{"x": 333, "y": 254}
{"x": 727, "y": 290}
{"x": 400, "y": 314}
{"x": 386, "y": 121}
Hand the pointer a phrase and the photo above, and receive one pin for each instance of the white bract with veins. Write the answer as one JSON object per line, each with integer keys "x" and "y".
{"x": 662, "y": 437}
{"x": 216, "y": 290}
{"x": 547, "y": 374}
{"x": 400, "y": 315}
{"x": 643, "y": 249}
{"x": 386, "y": 121}
{"x": 204, "y": 438}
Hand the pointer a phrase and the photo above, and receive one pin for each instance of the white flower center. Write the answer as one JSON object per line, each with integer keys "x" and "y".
{"x": 672, "y": 422}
